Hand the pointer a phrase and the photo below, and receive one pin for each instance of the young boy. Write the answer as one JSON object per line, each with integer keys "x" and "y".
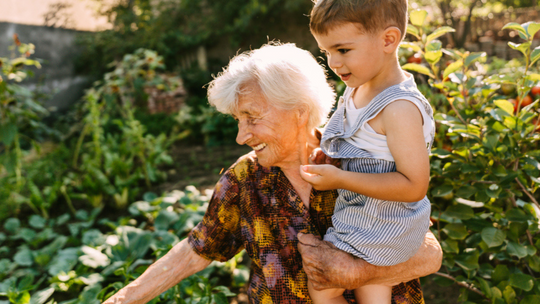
{"x": 382, "y": 131}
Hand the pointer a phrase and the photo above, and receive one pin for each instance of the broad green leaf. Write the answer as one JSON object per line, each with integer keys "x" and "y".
{"x": 534, "y": 263}
{"x": 493, "y": 237}
{"x": 521, "y": 281}
{"x": 460, "y": 211}
{"x": 220, "y": 298}
{"x": 413, "y": 30}
{"x": 7, "y": 133}
{"x": 509, "y": 294}
{"x": 516, "y": 249}
{"x": 24, "y": 257}
{"x": 42, "y": 296}
{"x": 12, "y": 225}
{"x": 442, "y": 190}
{"x": 37, "y": 221}
{"x": 415, "y": 47}
{"x": 93, "y": 258}
{"x": 522, "y": 47}
{"x": 505, "y": 105}
{"x": 452, "y": 67}
{"x": 418, "y": 17}
{"x": 474, "y": 57}
{"x": 531, "y": 28}
{"x": 535, "y": 55}
{"x": 20, "y": 298}
{"x": 468, "y": 260}
{"x": 455, "y": 231}
{"x": 531, "y": 299}
{"x": 500, "y": 273}
{"x": 226, "y": 291}
{"x": 450, "y": 245}
{"x": 27, "y": 234}
{"x": 517, "y": 27}
{"x": 439, "y": 32}
{"x": 484, "y": 286}
{"x": 165, "y": 219}
{"x": 517, "y": 215}
{"x": 418, "y": 68}
{"x": 433, "y": 56}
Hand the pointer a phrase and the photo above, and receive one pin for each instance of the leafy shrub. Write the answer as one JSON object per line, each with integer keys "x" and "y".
{"x": 484, "y": 167}
{"x": 83, "y": 259}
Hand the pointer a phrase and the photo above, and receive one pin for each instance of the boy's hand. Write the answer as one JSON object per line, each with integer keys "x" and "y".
{"x": 321, "y": 177}
{"x": 319, "y": 158}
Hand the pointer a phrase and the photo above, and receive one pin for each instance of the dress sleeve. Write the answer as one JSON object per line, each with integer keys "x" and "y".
{"x": 217, "y": 236}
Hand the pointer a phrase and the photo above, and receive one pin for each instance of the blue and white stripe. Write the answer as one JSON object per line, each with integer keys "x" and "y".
{"x": 381, "y": 232}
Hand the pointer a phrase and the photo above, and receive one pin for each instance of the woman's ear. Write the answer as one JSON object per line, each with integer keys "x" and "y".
{"x": 303, "y": 116}
{"x": 391, "y": 39}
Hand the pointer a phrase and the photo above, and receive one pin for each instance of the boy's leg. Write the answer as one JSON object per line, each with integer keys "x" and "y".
{"x": 373, "y": 294}
{"x": 327, "y": 296}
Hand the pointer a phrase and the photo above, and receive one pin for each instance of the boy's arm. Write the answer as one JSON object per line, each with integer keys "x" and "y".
{"x": 328, "y": 267}
{"x": 402, "y": 125}
{"x": 179, "y": 263}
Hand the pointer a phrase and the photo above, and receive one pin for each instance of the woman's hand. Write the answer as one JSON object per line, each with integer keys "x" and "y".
{"x": 328, "y": 267}
{"x": 321, "y": 177}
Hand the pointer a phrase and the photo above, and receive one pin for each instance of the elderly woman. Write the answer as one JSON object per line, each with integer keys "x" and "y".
{"x": 279, "y": 96}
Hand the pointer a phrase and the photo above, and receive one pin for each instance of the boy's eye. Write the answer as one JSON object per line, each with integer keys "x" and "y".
{"x": 343, "y": 51}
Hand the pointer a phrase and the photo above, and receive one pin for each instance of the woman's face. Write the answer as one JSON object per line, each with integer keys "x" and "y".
{"x": 270, "y": 131}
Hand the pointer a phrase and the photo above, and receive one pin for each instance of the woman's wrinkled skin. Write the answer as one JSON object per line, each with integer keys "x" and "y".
{"x": 323, "y": 264}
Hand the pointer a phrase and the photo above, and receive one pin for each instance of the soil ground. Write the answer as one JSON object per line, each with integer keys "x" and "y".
{"x": 201, "y": 166}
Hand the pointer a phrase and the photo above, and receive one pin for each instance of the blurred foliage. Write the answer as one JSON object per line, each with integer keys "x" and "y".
{"x": 176, "y": 28}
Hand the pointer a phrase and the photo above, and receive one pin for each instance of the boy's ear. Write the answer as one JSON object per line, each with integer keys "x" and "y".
{"x": 392, "y": 38}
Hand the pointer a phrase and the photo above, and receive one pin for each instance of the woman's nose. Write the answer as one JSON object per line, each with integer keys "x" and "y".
{"x": 244, "y": 134}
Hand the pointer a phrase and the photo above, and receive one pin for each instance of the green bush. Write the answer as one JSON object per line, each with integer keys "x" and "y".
{"x": 484, "y": 167}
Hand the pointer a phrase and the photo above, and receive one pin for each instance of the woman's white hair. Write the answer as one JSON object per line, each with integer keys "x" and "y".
{"x": 288, "y": 77}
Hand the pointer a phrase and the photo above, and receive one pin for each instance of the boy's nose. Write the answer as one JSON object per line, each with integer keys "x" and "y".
{"x": 244, "y": 134}
{"x": 334, "y": 62}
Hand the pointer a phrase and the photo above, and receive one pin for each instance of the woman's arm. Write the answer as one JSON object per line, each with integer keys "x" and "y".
{"x": 179, "y": 263}
{"x": 328, "y": 267}
{"x": 401, "y": 122}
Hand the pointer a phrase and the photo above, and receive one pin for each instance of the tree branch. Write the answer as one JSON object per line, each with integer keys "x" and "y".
{"x": 462, "y": 284}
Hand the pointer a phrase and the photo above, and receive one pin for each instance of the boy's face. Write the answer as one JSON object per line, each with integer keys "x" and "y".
{"x": 354, "y": 56}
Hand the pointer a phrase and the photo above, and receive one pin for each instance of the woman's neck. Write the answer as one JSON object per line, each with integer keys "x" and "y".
{"x": 307, "y": 142}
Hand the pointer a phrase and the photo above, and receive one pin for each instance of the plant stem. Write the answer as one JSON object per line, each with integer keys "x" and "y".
{"x": 79, "y": 144}
{"x": 462, "y": 284}
{"x": 528, "y": 193}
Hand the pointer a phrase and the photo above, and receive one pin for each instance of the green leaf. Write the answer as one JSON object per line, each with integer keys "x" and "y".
{"x": 442, "y": 190}
{"x": 522, "y": 47}
{"x": 468, "y": 260}
{"x": 37, "y": 221}
{"x": 450, "y": 245}
{"x": 534, "y": 263}
{"x": 456, "y": 231}
{"x": 535, "y": 55}
{"x": 24, "y": 257}
{"x": 474, "y": 57}
{"x": 20, "y": 298}
{"x": 531, "y": 28}
{"x": 517, "y": 27}
{"x": 516, "y": 250}
{"x": 531, "y": 299}
{"x": 452, "y": 67}
{"x": 413, "y": 30}
{"x": 500, "y": 273}
{"x": 509, "y": 294}
{"x": 493, "y": 237}
{"x": 165, "y": 219}
{"x": 460, "y": 211}
{"x": 439, "y": 32}
{"x": 220, "y": 298}
{"x": 12, "y": 225}
{"x": 505, "y": 105}
{"x": 521, "y": 281}
{"x": 517, "y": 215}
{"x": 42, "y": 296}
{"x": 7, "y": 133}
{"x": 418, "y": 17}
{"x": 484, "y": 286}
{"x": 418, "y": 68}
{"x": 433, "y": 56}
{"x": 415, "y": 47}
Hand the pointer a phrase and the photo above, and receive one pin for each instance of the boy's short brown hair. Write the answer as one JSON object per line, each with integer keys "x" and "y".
{"x": 372, "y": 15}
